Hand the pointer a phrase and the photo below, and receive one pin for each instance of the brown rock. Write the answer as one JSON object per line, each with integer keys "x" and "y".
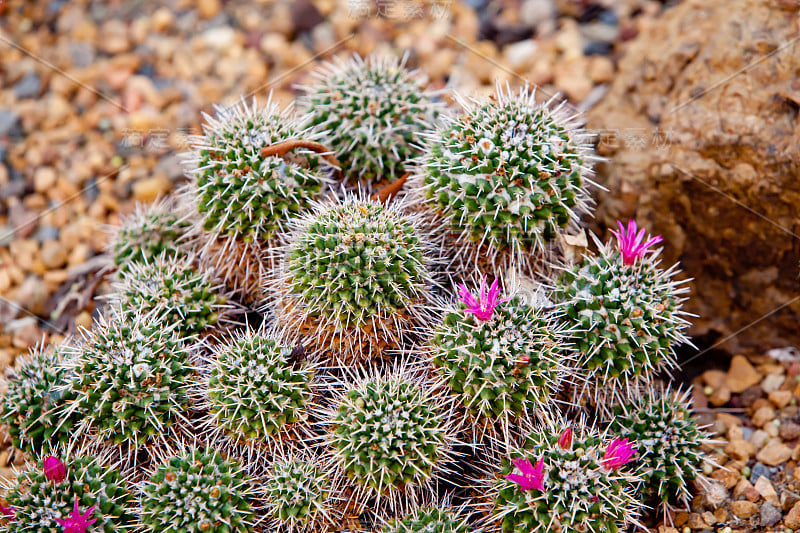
{"x": 763, "y": 415}
{"x": 774, "y": 453}
{"x": 149, "y": 189}
{"x": 741, "y": 488}
{"x": 53, "y": 254}
{"x": 729, "y": 478}
{"x": 765, "y": 488}
{"x": 740, "y": 449}
{"x": 780, "y": 398}
{"x": 707, "y": 142}
{"x": 744, "y": 509}
{"x": 792, "y": 519}
{"x": 728, "y": 420}
{"x": 720, "y": 396}
{"x": 741, "y": 374}
{"x": 714, "y": 378}
{"x": 789, "y": 431}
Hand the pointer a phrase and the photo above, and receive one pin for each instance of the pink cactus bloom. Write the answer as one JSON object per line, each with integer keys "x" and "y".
{"x": 565, "y": 440}
{"x": 77, "y": 522}
{"x": 54, "y": 469}
{"x": 631, "y": 244}
{"x": 531, "y": 477}
{"x": 7, "y": 512}
{"x": 618, "y": 453}
{"x": 484, "y": 305}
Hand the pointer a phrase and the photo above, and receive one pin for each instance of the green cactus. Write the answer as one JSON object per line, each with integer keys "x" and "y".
{"x": 151, "y": 231}
{"x": 356, "y": 277}
{"x": 174, "y": 291}
{"x": 427, "y": 520}
{"x": 130, "y": 378}
{"x": 38, "y": 502}
{"x": 256, "y": 392}
{"x": 298, "y": 495}
{"x": 669, "y": 443}
{"x": 371, "y": 112}
{"x": 580, "y": 493}
{"x": 507, "y": 176}
{"x": 33, "y": 406}
{"x": 199, "y": 492}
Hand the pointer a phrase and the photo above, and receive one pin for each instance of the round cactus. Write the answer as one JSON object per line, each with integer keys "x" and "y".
{"x": 627, "y": 313}
{"x": 199, "y": 492}
{"x": 244, "y": 198}
{"x": 33, "y": 406}
{"x": 427, "y": 520}
{"x": 390, "y": 435}
{"x": 151, "y": 231}
{"x": 371, "y": 113}
{"x": 566, "y": 481}
{"x": 174, "y": 291}
{"x": 257, "y": 391}
{"x": 356, "y": 277}
{"x": 502, "y": 358}
{"x": 668, "y": 441}
{"x": 86, "y": 487}
{"x": 506, "y": 177}
{"x": 298, "y": 495}
{"x": 130, "y": 375}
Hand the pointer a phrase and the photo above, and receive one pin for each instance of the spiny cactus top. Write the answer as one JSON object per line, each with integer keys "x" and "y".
{"x": 298, "y": 495}
{"x": 502, "y": 358}
{"x": 508, "y": 174}
{"x": 149, "y": 232}
{"x": 669, "y": 443}
{"x": 427, "y": 520}
{"x": 199, "y": 492}
{"x": 256, "y": 390}
{"x": 565, "y": 480}
{"x": 356, "y": 273}
{"x": 172, "y": 290}
{"x": 48, "y": 503}
{"x": 130, "y": 374}
{"x": 390, "y": 433}
{"x": 33, "y": 406}
{"x": 371, "y": 112}
{"x": 239, "y": 193}
{"x": 627, "y": 313}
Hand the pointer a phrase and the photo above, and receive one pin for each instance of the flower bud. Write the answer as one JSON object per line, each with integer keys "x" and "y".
{"x": 54, "y": 469}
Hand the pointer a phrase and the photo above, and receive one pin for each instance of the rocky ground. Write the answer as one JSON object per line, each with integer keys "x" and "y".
{"x": 97, "y": 99}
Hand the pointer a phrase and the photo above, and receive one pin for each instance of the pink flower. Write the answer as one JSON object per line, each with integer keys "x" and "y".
{"x": 7, "y": 512}
{"x": 531, "y": 477}
{"x": 630, "y": 243}
{"x": 484, "y": 306}
{"x": 76, "y": 522}
{"x": 565, "y": 440}
{"x": 54, "y": 469}
{"x": 618, "y": 453}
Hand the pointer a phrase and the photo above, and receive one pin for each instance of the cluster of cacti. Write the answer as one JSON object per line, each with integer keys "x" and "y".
{"x": 628, "y": 315}
{"x": 347, "y": 382}
{"x": 33, "y": 406}
{"x": 355, "y": 278}
{"x": 507, "y": 175}
{"x": 197, "y": 492}
{"x": 669, "y": 443}
{"x": 55, "y": 492}
{"x": 371, "y": 113}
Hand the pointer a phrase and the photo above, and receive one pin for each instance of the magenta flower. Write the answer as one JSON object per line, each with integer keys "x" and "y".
{"x": 531, "y": 477}
{"x": 7, "y": 512}
{"x": 565, "y": 440}
{"x": 76, "y": 522}
{"x": 484, "y": 306}
{"x": 54, "y": 469}
{"x": 618, "y": 453}
{"x": 631, "y": 244}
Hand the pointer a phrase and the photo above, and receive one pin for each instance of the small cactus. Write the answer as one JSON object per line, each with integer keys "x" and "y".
{"x": 299, "y": 495}
{"x": 627, "y": 315}
{"x": 42, "y": 502}
{"x": 33, "y": 406}
{"x": 130, "y": 375}
{"x": 506, "y": 176}
{"x": 171, "y": 290}
{"x": 256, "y": 392}
{"x": 669, "y": 443}
{"x": 503, "y": 359}
{"x": 198, "y": 492}
{"x": 356, "y": 277}
{"x": 390, "y": 434}
{"x": 151, "y": 231}
{"x": 427, "y": 520}
{"x": 371, "y": 112}
{"x": 242, "y": 198}
{"x": 564, "y": 480}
